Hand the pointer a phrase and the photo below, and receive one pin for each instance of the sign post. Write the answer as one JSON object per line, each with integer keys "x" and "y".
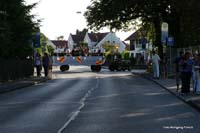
{"x": 170, "y": 43}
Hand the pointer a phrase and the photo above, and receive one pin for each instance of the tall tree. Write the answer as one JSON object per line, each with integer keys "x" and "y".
{"x": 186, "y": 22}
{"x": 18, "y": 28}
{"x": 81, "y": 33}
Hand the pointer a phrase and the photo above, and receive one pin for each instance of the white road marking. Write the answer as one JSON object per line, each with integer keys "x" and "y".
{"x": 76, "y": 113}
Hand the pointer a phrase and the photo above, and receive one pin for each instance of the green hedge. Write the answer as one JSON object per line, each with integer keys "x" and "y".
{"x": 15, "y": 69}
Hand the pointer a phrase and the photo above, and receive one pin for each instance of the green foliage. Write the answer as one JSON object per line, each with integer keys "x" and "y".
{"x": 83, "y": 45}
{"x": 186, "y": 27}
{"x": 109, "y": 47}
{"x": 100, "y": 14}
{"x": 44, "y": 46}
{"x": 60, "y": 37}
{"x": 39, "y": 50}
{"x": 183, "y": 18}
{"x": 108, "y": 56}
{"x": 43, "y": 38}
{"x": 50, "y": 49}
{"x": 125, "y": 55}
{"x": 16, "y": 29}
{"x": 81, "y": 33}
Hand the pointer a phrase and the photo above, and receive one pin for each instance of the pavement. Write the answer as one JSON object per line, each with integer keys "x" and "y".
{"x": 169, "y": 84}
{"x": 19, "y": 84}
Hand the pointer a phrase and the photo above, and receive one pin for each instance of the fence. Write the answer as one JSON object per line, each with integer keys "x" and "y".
{"x": 14, "y": 69}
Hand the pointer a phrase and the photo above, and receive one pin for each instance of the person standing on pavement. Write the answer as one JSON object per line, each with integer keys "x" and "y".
{"x": 46, "y": 61}
{"x": 177, "y": 67}
{"x": 165, "y": 65}
{"x": 197, "y": 75}
{"x": 50, "y": 66}
{"x": 186, "y": 72}
{"x": 38, "y": 64}
{"x": 156, "y": 69}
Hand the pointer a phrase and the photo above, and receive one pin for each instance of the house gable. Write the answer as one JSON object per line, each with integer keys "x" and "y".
{"x": 94, "y": 38}
{"x": 97, "y": 37}
{"x": 88, "y": 40}
{"x": 60, "y": 43}
{"x": 112, "y": 39}
{"x": 141, "y": 33}
{"x": 70, "y": 42}
{"x": 77, "y": 39}
{"x": 74, "y": 40}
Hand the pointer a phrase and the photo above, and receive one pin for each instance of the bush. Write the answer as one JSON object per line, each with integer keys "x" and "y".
{"x": 125, "y": 55}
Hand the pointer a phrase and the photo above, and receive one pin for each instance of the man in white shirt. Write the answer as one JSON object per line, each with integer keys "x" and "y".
{"x": 155, "y": 61}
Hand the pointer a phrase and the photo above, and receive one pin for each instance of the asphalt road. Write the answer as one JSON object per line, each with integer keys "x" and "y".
{"x": 80, "y": 101}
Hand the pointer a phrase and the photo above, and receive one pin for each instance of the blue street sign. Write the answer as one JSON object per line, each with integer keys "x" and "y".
{"x": 164, "y": 37}
{"x": 170, "y": 41}
{"x": 36, "y": 42}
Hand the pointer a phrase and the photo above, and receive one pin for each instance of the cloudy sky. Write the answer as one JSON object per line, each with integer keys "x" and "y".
{"x": 60, "y": 17}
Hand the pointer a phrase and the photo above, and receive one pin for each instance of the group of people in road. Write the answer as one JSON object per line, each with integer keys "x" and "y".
{"x": 44, "y": 61}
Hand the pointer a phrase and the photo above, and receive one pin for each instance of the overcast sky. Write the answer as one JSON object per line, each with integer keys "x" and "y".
{"x": 59, "y": 17}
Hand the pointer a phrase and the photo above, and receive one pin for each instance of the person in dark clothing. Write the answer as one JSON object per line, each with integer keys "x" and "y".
{"x": 186, "y": 72}
{"x": 46, "y": 62}
{"x": 38, "y": 64}
{"x": 177, "y": 68}
{"x": 165, "y": 65}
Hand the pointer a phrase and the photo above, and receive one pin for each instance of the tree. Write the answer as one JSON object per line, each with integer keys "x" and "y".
{"x": 60, "y": 38}
{"x": 50, "y": 49}
{"x": 110, "y": 47}
{"x": 183, "y": 17}
{"x": 121, "y": 14}
{"x": 81, "y": 33}
{"x": 18, "y": 28}
{"x": 185, "y": 22}
{"x": 44, "y": 47}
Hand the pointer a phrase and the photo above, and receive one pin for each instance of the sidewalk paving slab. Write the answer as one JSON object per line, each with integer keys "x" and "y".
{"x": 170, "y": 85}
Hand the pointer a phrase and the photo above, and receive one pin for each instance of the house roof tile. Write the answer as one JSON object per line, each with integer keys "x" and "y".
{"x": 137, "y": 35}
{"x": 97, "y": 37}
{"x": 62, "y": 43}
{"x": 77, "y": 38}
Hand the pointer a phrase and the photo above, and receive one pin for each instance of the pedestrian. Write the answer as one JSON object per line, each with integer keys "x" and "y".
{"x": 38, "y": 64}
{"x": 194, "y": 73}
{"x": 186, "y": 72}
{"x": 177, "y": 69}
{"x": 155, "y": 63}
{"x": 45, "y": 62}
{"x": 197, "y": 75}
{"x": 165, "y": 63}
{"x": 50, "y": 66}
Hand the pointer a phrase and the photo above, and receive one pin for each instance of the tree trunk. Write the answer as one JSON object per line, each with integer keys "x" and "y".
{"x": 158, "y": 43}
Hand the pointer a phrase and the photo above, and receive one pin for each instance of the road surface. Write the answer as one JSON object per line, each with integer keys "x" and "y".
{"x": 80, "y": 101}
